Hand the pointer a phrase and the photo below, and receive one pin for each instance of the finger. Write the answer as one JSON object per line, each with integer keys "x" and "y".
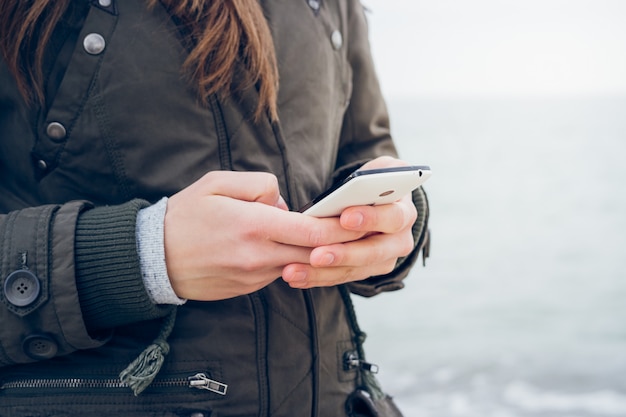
{"x": 372, "y": 250}
{"x": 281, "y": 204}
{"x": 298, "y": 229}
{"x": 254, "y": 258}
{"x": 305, "y": 276}
{"x": 259, "y": 187}
{"x": 384, "y": 162}
{"x": 387, "y": 218}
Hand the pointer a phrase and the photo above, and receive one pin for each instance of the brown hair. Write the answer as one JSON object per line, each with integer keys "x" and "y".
{"x": 224, "y": 36}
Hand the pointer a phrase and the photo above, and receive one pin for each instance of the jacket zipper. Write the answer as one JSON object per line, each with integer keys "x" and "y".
{"x": 198, "y": 381}
{"x": 352, "y": 361}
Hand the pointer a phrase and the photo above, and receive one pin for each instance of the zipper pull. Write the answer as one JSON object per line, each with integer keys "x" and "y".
{"x": 371, "y": 367}
{"x": 201, "y": 381}
{"x": 351, "y": 361}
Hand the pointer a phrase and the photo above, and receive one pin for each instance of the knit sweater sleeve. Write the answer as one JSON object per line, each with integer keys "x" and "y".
{"x": 108, "y": 269}
{"x": 151, "y": 248}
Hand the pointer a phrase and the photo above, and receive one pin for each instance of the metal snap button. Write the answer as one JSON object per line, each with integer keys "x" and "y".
{"x": 40, "y": 346}
{"x": 42, "y": 165}
{"x": 104, "y": 3}
{"x": 94, "y": 43}
{"x": 56, "y": 130}
{"x": 21, "y": 288}
{"x": 336, "y": 39}
{"x": 314, "y": 4}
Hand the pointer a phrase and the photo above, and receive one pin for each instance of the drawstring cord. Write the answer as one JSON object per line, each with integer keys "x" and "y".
{"x": 140, "y": 373}
{"x": 368, "y": 380}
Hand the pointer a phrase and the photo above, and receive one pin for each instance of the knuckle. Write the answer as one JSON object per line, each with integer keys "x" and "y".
{"x": 378, "y": 254}
{"x": 209, "y": 176}
{"x": 407, "y": 245}
{"x": 254, "y": 231}
{"x": 253, "y": 263}
{"x": 388, "y": 267}
{"x": 412, "y": 214}
{"x": 271, "y": 182}
{"x": 399, "y": 222}
{"x": 383, "y": 268}
{"x": 406, "y": 217}
{"x": 315, "y": 237}
{"x": 212, "y": 179}
{"x": 347, "y": 275}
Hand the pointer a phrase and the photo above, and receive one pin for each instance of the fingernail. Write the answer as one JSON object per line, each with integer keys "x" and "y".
{"x": 298, "y": 277}
{"x": 355, "y": 220}
{"x": 327, "y": 259}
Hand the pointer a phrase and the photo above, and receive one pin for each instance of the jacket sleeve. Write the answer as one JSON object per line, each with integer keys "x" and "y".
{"x": 366, "y": 135}
{"x": 70, "y": 273}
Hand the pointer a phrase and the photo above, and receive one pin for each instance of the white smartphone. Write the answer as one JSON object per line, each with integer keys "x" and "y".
{"x": 367, "y": 188}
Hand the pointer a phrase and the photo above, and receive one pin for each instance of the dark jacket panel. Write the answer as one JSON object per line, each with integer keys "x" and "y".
{"x": 121, "y": 128}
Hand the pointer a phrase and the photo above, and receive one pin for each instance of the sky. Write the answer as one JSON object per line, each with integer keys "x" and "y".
{"x": 499, "y": 47}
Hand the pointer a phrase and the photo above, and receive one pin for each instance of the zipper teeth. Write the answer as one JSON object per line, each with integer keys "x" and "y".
{"x": 198, "y": 381}
{"x": 63, "y": 383}
{"x": 84, "y": 383}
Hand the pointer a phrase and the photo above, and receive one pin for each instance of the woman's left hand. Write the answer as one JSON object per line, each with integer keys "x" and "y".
{"x": 387, "y": 237}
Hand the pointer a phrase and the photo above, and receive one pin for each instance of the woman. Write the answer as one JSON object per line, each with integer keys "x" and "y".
{"x": 107, "y": 108}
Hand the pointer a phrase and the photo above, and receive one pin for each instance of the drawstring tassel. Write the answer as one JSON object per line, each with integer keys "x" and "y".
{"x": 142, "y": 371}
{"x": 372, "y": 386}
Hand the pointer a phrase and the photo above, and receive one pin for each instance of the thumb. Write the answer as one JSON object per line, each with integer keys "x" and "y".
{"x": 258, "y": 187}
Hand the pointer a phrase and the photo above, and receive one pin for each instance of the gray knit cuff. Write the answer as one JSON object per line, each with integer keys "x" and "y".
{"x": 151, "y": 249}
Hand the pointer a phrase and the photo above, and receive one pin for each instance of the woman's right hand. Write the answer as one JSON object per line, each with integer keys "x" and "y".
{"x": 230, "y": 233}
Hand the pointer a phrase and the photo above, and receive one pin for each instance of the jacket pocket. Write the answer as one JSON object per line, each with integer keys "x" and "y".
{"x": 184, "y": 394}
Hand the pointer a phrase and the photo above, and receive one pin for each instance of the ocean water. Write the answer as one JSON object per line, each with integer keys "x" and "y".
{"x": 521, "y": 309}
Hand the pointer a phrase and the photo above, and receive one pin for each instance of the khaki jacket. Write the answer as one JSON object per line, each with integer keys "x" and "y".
{"x": 121, "y": 129}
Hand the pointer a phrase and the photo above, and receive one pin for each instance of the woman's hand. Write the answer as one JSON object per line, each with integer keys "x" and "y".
{"x": 230, "y": 234}
{"x": 387, "y": 237}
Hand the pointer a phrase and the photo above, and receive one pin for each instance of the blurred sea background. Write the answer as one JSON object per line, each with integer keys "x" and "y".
{"x": 520, "y": 110}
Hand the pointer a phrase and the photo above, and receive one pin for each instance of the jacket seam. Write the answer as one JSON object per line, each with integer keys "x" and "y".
{"x": 315, "y": 352}
{"x": 278, "y": 137}
{"x": 299, "y": 383}
{"x": 107, "y": 138}
{"x": 288, "y": 320}
{"x": 4, "y": 357}
{"x": 261, "y": 340}
{"x": 226, "y": 162}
